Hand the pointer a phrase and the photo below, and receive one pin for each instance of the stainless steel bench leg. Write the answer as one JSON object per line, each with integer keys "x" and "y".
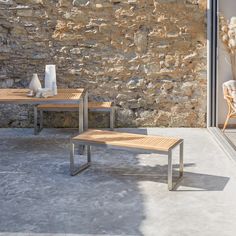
{"x": 35, "y": 120}
{"x": 170, "y": 184}
{"x": 86, "y": 111}
{"x": 72, "y": 160}
{"x": 112, "y": 118}
{"x": 181, "y": 159}
{"x": 89, "y": 154}
{"x": 40, "y": 120}
{"x": 76, "y": 170}
{"x": 170, "y": 167}
{"x": 81, "y": 124}
{"x": 81, "y": 116}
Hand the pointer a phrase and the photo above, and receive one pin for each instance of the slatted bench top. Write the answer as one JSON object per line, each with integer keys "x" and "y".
{"x": 128, "y": 140}
{"x": 91, "y": 105}
{"x": 20, "y": 95}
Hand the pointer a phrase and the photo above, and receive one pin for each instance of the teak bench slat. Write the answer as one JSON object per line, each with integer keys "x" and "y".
{"x": 127, "y": 141}
{"x": 151, "y": 143}
{"x": 91, "y": 105}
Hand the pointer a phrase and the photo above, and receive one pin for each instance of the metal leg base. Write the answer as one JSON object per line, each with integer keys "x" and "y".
{"x": 80, "y": 169}
{"x": 76, "y": 170}
{"x": 176, "y": 184}
{"x": 172, "y": 186}
{"x": 40, "y": 120}
{"x": 35, "y": 120}
{"x": 112, "y": 118}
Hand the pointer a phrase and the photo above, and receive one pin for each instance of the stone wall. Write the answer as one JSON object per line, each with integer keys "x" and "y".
{"x": 149, "y": 56}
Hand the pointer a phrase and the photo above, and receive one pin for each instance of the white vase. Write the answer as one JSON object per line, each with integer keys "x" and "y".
{"x": 35, "y": 84}
{"x": 50, "y": 77}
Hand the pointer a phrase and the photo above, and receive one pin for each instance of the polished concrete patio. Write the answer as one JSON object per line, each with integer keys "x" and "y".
{"x": 123, "y": 193}
{"x": 231, "y": 135}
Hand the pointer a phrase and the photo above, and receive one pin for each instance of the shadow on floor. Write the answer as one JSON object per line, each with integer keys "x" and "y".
{"x": 194, "y": 181}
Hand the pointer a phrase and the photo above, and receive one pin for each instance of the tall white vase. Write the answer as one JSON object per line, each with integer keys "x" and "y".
{"x": 35, "y": 84}
{"x": 50, "y": 77}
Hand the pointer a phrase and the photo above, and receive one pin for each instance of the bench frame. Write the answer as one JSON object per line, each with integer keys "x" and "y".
{"x": 76, "y": 170}
{"x": 111, "y": 110}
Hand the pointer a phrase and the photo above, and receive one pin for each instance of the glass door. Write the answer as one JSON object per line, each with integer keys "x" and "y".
{"x": 226, "y": 39}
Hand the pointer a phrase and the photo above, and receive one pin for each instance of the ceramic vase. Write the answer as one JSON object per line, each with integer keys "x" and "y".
{"x": 50, "y": 78}
{"x": 35, "y": 84}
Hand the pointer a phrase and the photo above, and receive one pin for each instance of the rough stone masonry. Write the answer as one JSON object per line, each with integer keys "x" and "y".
{"x": 149, "y": 56}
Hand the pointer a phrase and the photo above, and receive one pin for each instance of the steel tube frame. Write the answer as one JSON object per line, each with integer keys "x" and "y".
{"x": 40, "y": 120}
{"x": 112, "y": 118}
{"x": 35, "y": 120}
{"x": 110, "y": 110}
{"x": 76, "y": 170}
{"x": 83, "y": 113}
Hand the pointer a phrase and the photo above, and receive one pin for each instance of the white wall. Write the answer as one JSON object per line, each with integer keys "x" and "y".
{"x": 228, "y": 9}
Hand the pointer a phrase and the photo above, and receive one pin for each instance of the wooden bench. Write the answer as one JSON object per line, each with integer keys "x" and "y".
{"x": 127, "y": 141}
{"x": 92, "y": 106}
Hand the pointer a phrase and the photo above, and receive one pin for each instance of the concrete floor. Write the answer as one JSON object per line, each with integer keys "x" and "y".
{"x": 123, "y": 193}
{"x": 231, "y": 134}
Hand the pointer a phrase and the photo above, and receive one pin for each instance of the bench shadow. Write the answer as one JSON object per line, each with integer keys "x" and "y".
{"x": 190, "y": 181}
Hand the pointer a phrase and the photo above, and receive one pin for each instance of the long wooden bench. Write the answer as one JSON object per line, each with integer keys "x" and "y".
{"x": 127, "y": 141}
{"x": 92, "y": 106}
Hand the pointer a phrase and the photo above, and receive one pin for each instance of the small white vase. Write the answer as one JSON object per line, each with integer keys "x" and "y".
{"x": 35, "y": 84}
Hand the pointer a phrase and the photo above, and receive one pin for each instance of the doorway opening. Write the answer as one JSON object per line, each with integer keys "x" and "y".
{"x": 219, "y": 72}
